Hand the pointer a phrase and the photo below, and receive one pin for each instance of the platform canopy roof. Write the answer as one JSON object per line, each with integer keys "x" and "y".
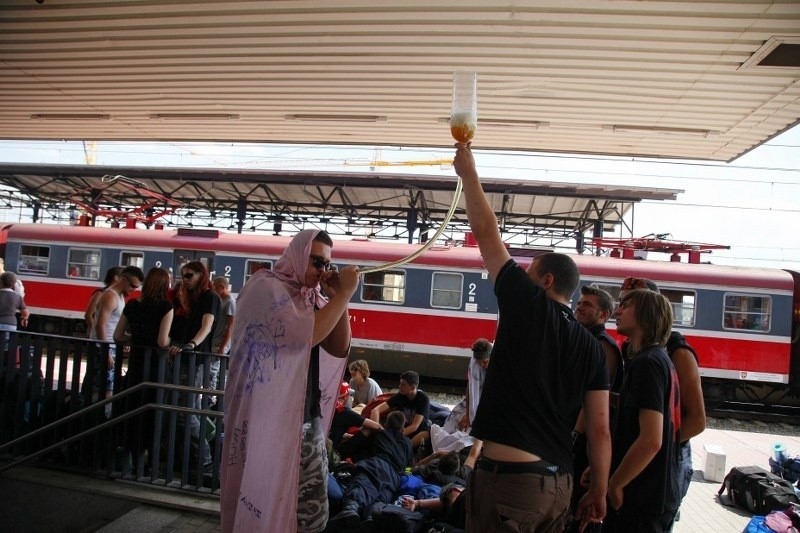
{"x": 687, "y": 79}
{"x": 381, "y": 205}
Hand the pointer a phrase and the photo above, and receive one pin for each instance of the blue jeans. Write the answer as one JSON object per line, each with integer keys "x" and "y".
{"x": 685, "y": 471}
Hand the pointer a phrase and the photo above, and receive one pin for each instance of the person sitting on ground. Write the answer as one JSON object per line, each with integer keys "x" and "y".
{"x": 441, "y": 471}
{"x": 345, "y": 418}
{"x": 413, "y": 403}
{"x": 376, "y": 478}
{"x": 450, "y": 507}
{"x": 364, "y": 388}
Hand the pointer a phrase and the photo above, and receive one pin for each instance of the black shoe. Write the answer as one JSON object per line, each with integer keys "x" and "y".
{"x": 347, "y": 519}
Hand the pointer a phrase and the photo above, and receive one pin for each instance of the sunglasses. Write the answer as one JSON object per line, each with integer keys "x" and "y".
{"x": 189, "y": 275}
{"x": 133, "y": 285}
{"x": 320, "y": 262}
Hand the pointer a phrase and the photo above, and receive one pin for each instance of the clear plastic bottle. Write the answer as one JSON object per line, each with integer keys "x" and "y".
{"x": 464, "y": 115}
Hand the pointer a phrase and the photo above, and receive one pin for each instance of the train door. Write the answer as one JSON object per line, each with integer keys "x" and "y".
{"x": 186, "y": 256}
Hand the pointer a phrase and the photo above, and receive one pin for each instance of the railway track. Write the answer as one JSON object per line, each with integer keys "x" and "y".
{"x": 783, "y": 414}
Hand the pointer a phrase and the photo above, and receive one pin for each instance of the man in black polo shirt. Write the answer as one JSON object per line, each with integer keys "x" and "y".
{"x": 544, "y": 367}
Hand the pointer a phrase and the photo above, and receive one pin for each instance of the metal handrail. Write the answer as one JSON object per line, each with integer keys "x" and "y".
{"x": 114, "y": 421}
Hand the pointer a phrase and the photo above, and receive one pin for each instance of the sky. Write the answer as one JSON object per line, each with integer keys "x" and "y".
{"x": 751, "y": 205}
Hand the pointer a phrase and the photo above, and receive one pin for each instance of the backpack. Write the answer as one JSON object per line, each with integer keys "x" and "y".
{"x": 756, "y": 490}
{"x": 788, "y": 470}
{"x": 396, "y": 519}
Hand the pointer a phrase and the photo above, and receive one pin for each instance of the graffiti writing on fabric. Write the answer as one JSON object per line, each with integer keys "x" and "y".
{"x": 325, "y": 398}
{"x": 262, "y": 341}
{"x": 249, "y": 505}
{"x": 238, "y": 448}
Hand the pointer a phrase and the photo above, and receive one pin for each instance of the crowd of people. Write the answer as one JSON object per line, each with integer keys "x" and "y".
{"x": 560, "y": 428}
{"x": 168, "y": 328}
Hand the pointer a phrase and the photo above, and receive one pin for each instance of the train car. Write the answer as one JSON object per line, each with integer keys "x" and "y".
{"x": 744, "y": 322}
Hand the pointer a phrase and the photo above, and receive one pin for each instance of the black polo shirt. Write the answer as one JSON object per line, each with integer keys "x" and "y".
{"x": 542, "y": 364}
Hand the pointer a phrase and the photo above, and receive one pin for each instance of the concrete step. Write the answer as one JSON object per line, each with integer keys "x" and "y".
{"x": 34, "y": 499}
{"x": 142, "y": 518}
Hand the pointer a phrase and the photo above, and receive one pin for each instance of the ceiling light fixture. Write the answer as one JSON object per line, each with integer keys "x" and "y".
{"x": 624, "y": 128}
{"x": 504, "y": 123}
{"x": 336, "y": 118}
{"x": 70, "y": 116}
{"x": 194, "y": 116}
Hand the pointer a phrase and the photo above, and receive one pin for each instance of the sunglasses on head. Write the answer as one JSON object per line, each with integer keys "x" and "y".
{"x": 320, "y": 262}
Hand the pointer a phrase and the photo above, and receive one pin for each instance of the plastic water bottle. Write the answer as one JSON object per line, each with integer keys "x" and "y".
{"x": 779, "y": 453}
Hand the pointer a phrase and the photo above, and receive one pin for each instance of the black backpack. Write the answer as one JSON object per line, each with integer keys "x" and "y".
{"x": 756, "y": 490}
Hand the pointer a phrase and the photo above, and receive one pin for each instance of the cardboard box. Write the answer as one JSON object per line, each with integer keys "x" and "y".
{"x": 715, "y": 463}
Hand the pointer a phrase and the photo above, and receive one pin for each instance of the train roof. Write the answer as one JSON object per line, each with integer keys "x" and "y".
{"x": 685, "y": 273}
{"x": 365, "y": 252}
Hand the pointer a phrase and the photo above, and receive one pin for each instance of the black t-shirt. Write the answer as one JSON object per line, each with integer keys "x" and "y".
{"x": 543, "y": 362}
{"x": 207, "y": 305}
{"x": 144, "y": 322}
{"x": 650, "y": 383}
{"x": 600, "y": 333}
{"x": 311, "y": 409}
{"x": 419, "y": 404}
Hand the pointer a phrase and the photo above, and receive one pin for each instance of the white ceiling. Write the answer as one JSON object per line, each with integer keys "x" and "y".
{"x": 643, "y": 78}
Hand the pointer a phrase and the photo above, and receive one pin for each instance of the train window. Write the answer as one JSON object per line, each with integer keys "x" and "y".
{"x": 131, "y": 259}
{"x": 252, "y": 266}
{"x": 385, "y": 286}
{"x": 34, "y": 259}
{"x": 83, "y": 263}
{"x": 446, "y": 290}
{"x": 682, "y": 302}
{"x": 613, "y": 290}
{"x": 747, "y": 312}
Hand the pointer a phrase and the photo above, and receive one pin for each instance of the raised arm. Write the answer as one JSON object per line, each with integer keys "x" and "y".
{"x": 482, "y": 219}
{"x": 332, "y": 322}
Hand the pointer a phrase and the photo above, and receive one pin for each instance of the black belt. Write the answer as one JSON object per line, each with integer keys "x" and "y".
{"x": 541, "y": 467}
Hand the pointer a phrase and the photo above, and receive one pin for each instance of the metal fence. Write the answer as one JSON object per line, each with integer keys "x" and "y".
{"x": 153, "y": 418}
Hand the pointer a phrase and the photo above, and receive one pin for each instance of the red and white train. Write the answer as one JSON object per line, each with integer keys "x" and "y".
{"x": 744, "y": 322}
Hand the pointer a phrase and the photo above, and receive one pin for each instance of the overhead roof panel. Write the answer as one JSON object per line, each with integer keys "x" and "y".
{"x": 681, "y": 79}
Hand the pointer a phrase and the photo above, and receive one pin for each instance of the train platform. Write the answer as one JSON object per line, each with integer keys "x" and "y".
{"x": 155, "y": 510}
{"x": 701, "y": 510}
